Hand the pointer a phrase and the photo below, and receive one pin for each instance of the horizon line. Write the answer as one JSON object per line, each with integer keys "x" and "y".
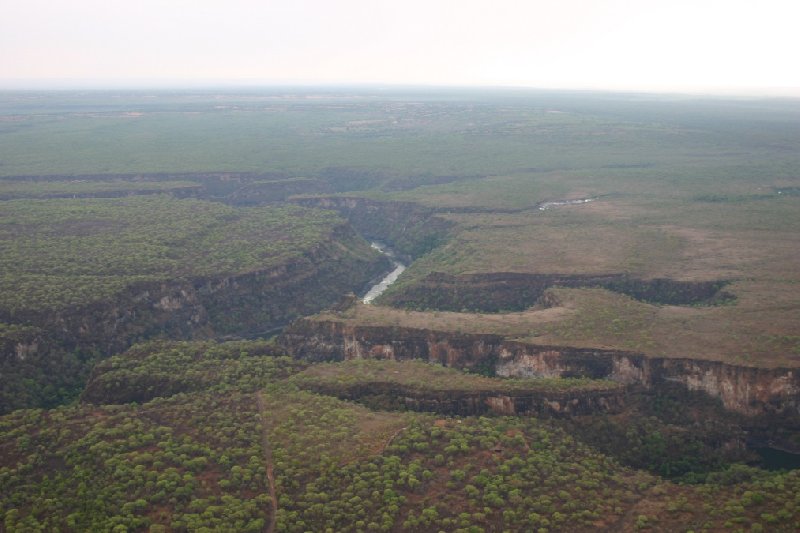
{"x": 72, "y": 84}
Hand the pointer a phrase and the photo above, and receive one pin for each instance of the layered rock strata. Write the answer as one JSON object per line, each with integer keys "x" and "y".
{"x": 750, "y": 391}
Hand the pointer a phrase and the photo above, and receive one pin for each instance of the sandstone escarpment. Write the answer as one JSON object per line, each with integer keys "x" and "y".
{"x": 747, "y": 390}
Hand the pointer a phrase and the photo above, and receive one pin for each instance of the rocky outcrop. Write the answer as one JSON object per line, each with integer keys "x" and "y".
{"x": 513, "y": 291}
{"x": 410, "y": 229}
{"x": 383, "y": 395}
{"x": 336, "y": 341}
{"x": 747, "y": 390}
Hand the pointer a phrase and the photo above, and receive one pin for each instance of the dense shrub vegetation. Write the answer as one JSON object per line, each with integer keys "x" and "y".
{"x": 64, "y": 252}
{"x": 182, "y": 463}
{"x": 35, "y": 371}
{"x": 469, "y": 475}
{"x": 162, "y": 368}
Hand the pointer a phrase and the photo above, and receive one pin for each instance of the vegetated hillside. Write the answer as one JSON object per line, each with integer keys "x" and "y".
{"x": 84, "y": 278}
{"x": 252, "y": 452}
{"x": 165, "y": 368}
{"x": 64, "y": 252}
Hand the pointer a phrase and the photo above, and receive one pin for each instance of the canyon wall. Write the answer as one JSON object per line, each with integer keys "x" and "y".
{"x": 747, "y": 390}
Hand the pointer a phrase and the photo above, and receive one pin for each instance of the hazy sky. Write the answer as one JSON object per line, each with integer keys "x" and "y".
{"x": 613, "y": 44}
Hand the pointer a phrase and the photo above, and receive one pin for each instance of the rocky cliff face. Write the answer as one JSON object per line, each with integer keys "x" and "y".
{"x": 750, "y": 391}
{"x": 337, "y": 341}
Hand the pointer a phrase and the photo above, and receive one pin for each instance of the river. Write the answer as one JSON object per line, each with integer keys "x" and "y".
{"x": 544, "y": 206}
{"x": 378, "y": 289}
